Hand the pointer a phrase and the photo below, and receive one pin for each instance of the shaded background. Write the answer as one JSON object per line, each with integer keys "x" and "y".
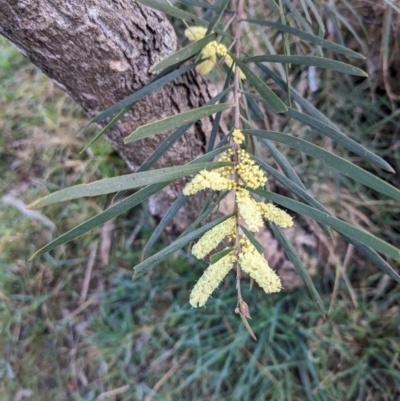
{"x": 74, "y": 326}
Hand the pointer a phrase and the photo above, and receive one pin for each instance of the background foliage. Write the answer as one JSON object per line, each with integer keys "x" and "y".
{"x": 64, "y": 339}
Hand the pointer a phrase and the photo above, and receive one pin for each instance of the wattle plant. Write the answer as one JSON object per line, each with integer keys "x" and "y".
{"x": 239, "y": 168}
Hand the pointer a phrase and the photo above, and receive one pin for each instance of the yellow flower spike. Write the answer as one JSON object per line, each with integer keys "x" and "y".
{"x": 255, "y": 265}
{"x": 276, "y": 215}
{"x": 211, "y": 239}
{"x": 195, "y": 33}
{"x": 248, "y": 209}
{"x": 249, "y": 172}
{"x": 208, "y": 179}
{"x": 237, "y": 136}
{"x": 210, "y": 280}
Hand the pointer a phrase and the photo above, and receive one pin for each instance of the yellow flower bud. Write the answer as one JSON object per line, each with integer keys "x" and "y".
{"x": 195, "y": 33}
{"x": 208, "y": 179}
{"x": 276, "y": 215}
{"x": 248, "y": 209}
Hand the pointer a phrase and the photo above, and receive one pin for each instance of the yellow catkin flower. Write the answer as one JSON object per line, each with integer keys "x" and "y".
{"x": 211, "y": 239}
{"x": 249, "y": 172}
{"x": 195, "y": 33}
{"x": 248, "y": 209}
{"x": 210, "y": 280}
{"x": 276, "y": 215}
{"x": 228, "y": 170}
{"x": 237, "y": 136}
{"x": 208, "y": 179}
{"x": 209, "y": 52}
{"x": 255, "y": 265}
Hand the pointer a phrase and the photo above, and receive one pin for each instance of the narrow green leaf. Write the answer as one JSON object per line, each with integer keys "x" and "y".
{"x": 295, "y": 189}
{"x": 254, "y": 107}
{"x": 297, "y": 97}
{"x": 129, "y": 181}
{"x": 309, "y": 37}
{"x": 266, "y": 93}
{"x": 297, "y": 16}
{"x": 102, "y": 217}
{"x": 172, "y": 211}
{"x": 169, "y": 142}
{"x": 342, "y": 165}
{"x": 374, "y": 258}
{"x": 204, "y": 214}
{"x": 301, "y": 270}
{"x": 338, "y": 137}
{"x": 283, "y": 163}
{"x": 175, "y": 121}
{"x": 159, "y": 257}
{"x": 319, "y": 62}
{"x": 217, "y": 119}
{"x": 218, "y": 14}
{"x": 252, "y": 239}
{"x": 141, "y": 93}
{"x": 184, "y": 53}
{"x": 338, "y": 225}
{"x": 201, "y": 4}
{"x": 107, "y": 127}
{"x": 279, "y": 158}
{"x": 117, "y": 209}
{"x": 180, "y": 201}
{"x": 219, "y": 255}
{"x": 173, "y": 11}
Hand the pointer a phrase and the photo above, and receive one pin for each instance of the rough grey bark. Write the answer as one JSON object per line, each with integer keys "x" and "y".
{"x": 99, "y": 52}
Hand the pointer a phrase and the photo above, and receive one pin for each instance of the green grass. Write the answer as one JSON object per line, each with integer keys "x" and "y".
{"x": 134, "y": 336}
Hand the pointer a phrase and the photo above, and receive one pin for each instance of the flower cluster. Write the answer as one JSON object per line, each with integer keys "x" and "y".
{"x": 210, "y": 51}
{"x": 249, "y": 172}
{"x": 208, "y": 180}
{"x": 244, "y": 174}
{"x": 211, "y": 239}
{"x": 254, "y": 264}
{"x": 210, "y": 280}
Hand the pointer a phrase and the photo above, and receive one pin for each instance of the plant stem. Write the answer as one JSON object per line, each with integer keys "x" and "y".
{"x": 237, "y": 94}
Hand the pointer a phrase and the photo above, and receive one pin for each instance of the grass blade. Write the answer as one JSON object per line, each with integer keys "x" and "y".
{"x": 319, "y": 62}
{"x": 159, "y": 257}
{"x": 129, "y": 181}
{"x": 338, "y": 137}
{"x": 309, "y": 37}
{"x": 340, "y": 226}
{"x": 301, "y": 270}
{"x": 345, "y": 167}
{"x": 175, "y": 121}
{"x": 266, "y": 93}
{"x": 102, "y": 217}
{"x": 184, "y": 53}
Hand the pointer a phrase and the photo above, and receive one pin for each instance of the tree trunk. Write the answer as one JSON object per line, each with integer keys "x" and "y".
{"x": 99, "y": 52}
